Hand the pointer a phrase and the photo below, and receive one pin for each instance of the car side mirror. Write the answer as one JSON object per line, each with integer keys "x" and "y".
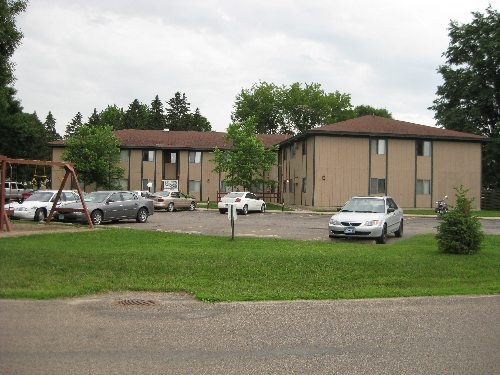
{"x": 390, "y": 210}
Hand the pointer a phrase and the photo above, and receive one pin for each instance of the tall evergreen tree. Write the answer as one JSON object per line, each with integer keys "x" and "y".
{"x": 94, "y": 119}
{"x": 198, "y": 122}
{"x": 178, "y": 112}
{"x": 157, "y": 118}
{"x": 136, "y": 116}
{"x": 50, "y": 127}
{"x": 75, "y": 123}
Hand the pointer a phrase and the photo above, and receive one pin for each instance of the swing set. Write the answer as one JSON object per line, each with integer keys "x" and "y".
{"x": 70, "y": 172}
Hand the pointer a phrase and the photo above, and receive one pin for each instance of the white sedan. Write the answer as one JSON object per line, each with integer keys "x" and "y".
{"x": 367, "y": 217}
{"x": 244, "y": 202}
{"x": 37, "y": 206}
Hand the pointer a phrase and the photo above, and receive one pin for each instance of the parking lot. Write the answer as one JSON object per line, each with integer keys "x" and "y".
{"x": 300, "y": 225}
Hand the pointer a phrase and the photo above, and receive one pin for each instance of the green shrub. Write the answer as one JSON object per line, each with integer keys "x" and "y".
{"x": 459, "y": 231}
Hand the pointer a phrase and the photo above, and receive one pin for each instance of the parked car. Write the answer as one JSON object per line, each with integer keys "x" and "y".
{"x": 244, "y": 202}
{"x": 173, "y": 200}
{"x": 110, "y": 206}
{"x": 14, "y": 191}
{"x": 38, "y": 205}
{"x": 367, "y": 217}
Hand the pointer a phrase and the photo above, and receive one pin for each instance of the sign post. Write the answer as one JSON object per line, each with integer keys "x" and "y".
{"x": 232, "y": 215}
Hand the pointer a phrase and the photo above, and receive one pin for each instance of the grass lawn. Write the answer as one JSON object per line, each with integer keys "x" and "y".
{"x": 220, "y": 269}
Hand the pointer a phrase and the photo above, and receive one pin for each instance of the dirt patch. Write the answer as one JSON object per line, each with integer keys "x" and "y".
{"x": 20, "y": 228}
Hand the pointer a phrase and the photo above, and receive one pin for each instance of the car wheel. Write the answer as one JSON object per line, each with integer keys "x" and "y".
{"x": 222, "y": 211}
{"x": 399, "y": 232}
{"x": 263, "y": 208}
{"x": 170, "y": 207}
{"x": 142, "y": 215}
{"x": 192, "y": 206}
{"x": 244, "y": 211}
{"x": 40, "y": 214}
{"x": 383, "y": 237}
{"x": 96, "y": 217}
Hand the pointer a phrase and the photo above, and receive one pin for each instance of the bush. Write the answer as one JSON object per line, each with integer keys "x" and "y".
{"x": 459, "y": 231}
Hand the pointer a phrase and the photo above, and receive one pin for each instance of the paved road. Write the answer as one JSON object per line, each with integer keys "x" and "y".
{"x": 297, "y": 225}
{"x": 178, "y": 335}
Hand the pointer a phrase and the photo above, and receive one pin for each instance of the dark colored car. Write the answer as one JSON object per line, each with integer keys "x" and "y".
{"x": 110, "y": 206}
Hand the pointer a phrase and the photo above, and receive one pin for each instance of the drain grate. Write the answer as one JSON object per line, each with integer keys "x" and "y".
{"x": 136, "y": 302}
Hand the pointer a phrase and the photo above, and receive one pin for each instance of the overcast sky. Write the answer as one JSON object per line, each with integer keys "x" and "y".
{"x": 77, "y": 55}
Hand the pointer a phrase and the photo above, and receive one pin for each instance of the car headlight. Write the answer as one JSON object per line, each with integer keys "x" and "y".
{"x": 334, "y": 221}
{"x": 373, "y": 223}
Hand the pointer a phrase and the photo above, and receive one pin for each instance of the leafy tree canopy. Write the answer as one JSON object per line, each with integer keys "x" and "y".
{"x": 95, "y": 153}
{"x": 247, "y": 163}
{"x": 469, "y": 98}
{"x": 295, "y": 109}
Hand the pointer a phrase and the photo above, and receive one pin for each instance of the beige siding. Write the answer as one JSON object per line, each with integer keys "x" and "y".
{"x": 341, "y": 165}
{"x": 455, "y": 164}
{"x": 182, "y": 161}
{"x": 135, "y": 169}
{"x": 401, "y": 171}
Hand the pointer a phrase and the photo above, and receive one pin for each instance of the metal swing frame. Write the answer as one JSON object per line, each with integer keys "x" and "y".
{"x": 70, "y": 172}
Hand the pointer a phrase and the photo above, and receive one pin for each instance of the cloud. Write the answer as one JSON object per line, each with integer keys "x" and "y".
{"x": 81, "y": 55}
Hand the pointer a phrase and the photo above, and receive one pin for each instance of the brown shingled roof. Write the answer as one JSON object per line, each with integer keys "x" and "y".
{"x": 138, "y": 138}
{"x": 374, "y": 125}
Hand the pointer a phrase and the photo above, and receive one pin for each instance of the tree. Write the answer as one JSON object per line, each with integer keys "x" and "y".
{"x": 199, "y": 123}
{"x": 364, "y": 110}
{"x": 178, "y": 112}
{"x": 94, "y": 119}
{"x": 74, "y": 125}
{"x": 50, "y": 127}
{"x": 95, "y": 153}
{"x": 247, "y": 163}
{"x": 136, "y": 116}
{"x": 112, "y": 116}
{"x": 295, "y": 109}
{"x": 469, "y": 98}
{"x": 157, "y": 115}
{"x": 459, "y": 232}
{"x": 263, "y": 102}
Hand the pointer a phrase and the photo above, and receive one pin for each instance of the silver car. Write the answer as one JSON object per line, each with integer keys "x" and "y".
{"x": 367, "y": 217}
{"x": 110, "y": 206}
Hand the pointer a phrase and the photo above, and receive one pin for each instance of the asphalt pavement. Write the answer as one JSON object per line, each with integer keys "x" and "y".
{"x": 152, "y": 333}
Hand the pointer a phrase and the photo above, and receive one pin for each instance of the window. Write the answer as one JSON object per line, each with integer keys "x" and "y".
{"x": 194, "y": 186}
{"x": 285, "y": 182}
{"x": 148, "y": 155}
{"x": 424, "y": 187}
{"x": 304, "y": 184}
{"x": 294, "y": 148}
{"x": 377, "y": 185}
{"x": 378, "y": 146}
{"x": 304, "y": 147}
{"x": 145, "y": 183}
{"x": 195, "y": 157}
{"x": 284, "y": 153}
{"x": 424, "y": 148}
{"x": 171, "y": 157}
{"x": 128, "y": 196}
{"x": 124, "y": 156}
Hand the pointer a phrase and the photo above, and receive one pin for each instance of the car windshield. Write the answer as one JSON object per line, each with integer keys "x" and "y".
{"x": 96, "y": 197}
{"x": 364, "y": 205}
{"x": 234, "y": 195}
{"x": 162, "y": 193}
{"x": 40, "y": 196}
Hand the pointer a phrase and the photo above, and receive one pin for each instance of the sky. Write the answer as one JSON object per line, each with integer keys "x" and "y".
{"x": 77, "y": 55}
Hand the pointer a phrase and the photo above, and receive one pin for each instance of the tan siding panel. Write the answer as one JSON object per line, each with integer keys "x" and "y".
{"x": 401, "y": 171}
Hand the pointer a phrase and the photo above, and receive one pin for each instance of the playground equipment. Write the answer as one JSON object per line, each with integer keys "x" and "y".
{"x": 70, "y": 172}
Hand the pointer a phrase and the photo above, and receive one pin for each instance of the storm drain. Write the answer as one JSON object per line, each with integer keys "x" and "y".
{"x": 136, "y": 302}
